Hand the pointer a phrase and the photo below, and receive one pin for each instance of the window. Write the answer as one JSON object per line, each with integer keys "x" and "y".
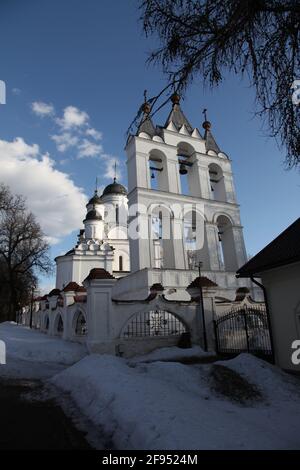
{"x": 117, "y": 214}
{"x": 120, "y": 263}
{"x": 157, "y": 171}
{"x": 157, "y": 239}
{"x": 227, "y": 251}
{"x": 217, "y": 185}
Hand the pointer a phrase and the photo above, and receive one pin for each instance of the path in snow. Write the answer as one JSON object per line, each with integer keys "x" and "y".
{"x": 36, "y": 425}
{"x": 34, "y": 415}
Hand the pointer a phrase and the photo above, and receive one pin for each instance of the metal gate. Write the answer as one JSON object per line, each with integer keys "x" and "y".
{"x": 244, "y": 329}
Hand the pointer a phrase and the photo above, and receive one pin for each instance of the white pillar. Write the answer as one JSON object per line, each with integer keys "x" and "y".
{"x": 213, "y": 246}
{"x": 99, "y": 307}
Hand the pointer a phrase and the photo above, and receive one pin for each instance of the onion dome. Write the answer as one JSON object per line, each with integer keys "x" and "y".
{"x": 206, "y": 125}
{"x": 93, "y": 215}
{"x": 115, "y": 188}
{"x": 96, "y": 199}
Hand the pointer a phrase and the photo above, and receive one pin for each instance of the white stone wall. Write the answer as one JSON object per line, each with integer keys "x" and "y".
{"x": 283, "y": 295}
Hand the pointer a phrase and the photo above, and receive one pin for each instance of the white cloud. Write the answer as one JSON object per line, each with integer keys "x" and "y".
{"x": 16, "y": 91}
{"x": 42, "y": 109}
{"x": 89, "y": 149}
{"x": 72, "y": 118}
{"x": 51, "y": 195}
{"x": 64, "y": 141}
{"x": 91, "y": 132}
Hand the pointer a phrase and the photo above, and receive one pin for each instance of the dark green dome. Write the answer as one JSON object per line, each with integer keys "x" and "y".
{"x": 93, "y": 215}
{"x": 115, "y": 188}
{"x": 96, "y": 199}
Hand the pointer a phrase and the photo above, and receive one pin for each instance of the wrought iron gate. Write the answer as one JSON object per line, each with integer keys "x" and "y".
{"x": 244, "y": 329}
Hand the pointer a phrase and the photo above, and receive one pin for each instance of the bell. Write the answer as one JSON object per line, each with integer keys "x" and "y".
{"x": 190, "y": 235}
{"x": 152, "y": 175}
{"x": 182, "y": 169}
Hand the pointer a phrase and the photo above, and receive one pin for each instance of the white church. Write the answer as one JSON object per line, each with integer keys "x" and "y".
{"x": 157, "y": 262}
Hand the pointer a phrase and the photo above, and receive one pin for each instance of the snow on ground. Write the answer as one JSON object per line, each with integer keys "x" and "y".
{"x": 32, "y": 354}
{"x": 168, "y": 405}
{"x": 154, "y": 402}
{"x": 171, "y": 354}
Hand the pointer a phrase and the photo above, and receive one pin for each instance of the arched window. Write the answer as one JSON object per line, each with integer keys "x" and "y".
{"x": 185, "y": 152}
{"x": 80, "y": 325}
{"x": 154, "y": 323}
{"x": 117, "y": 214}
{"x": 227, "y": 252}
{"x": 162, "y": 250}
{"x": 217, "y": 186}
{"x": 157, "y": 171}
{"x": 120, "y": 263}
{"x": 46, "y": 323}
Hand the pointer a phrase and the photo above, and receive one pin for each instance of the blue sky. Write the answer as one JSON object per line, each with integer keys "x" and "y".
{"x": 90, "y": 55}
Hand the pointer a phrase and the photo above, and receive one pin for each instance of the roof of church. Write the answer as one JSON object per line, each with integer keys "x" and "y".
{"x": 96, "y": 199}
{"x": 146, "y": 125}
{"x": 177, "y": 116}
{"x": 210, "y": 143}
{"x": 284, "y": 249}
{"x": 93, "y": 215}
{"x": 115, "y": 188}
{"x": 70, "y": 252}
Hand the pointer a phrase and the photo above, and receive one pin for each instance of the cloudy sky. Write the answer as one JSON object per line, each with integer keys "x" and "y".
{"x": 75, "y": 74}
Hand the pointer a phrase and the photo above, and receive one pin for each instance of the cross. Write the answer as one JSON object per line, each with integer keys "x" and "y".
{"x": 96, "y": 190}
{"x": 145, "y": 96}
{"x": 204, "y": 112}
{"x": 115, "y": 178}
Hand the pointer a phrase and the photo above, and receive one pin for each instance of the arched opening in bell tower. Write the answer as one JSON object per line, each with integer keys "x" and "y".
{"x": 185, "y": 152}
{"x": 157, "y": 171}
{"x": 161, "y": 242}
{"x": 217, "y": 185}
{"x": 227, "y": 251}
{"x": 195, "y": 240}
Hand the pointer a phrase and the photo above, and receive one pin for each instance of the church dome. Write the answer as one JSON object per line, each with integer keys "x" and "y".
{"x": 96, "y": 199}
{"x": 115, "y": 188}
{"x": 93, "y": 215}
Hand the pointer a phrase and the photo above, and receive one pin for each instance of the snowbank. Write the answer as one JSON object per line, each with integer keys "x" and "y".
{"x": 29, "y": 352}
{"x": 168, "y": 405}
{"x": 169, "y": 354}
{"x": 274, "y": 383}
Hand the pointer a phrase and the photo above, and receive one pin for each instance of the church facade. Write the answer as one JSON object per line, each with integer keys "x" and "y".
{"x": 152, "y": 262}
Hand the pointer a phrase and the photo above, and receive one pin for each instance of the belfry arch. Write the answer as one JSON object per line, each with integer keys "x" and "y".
{"x": 227, "y": 248}
{"x": 217, "y": 184}
{"x": 195, "y": 239}
{"x": 185, "y": 152}
{"x": 157, "y": 171}
{"x": 161, "y": 236}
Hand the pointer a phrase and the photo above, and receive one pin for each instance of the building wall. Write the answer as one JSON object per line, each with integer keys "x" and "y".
{"x": 283, "y": 294}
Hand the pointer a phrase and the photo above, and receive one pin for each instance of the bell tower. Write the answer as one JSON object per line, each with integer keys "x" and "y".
{"x": 182, "y": 202}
